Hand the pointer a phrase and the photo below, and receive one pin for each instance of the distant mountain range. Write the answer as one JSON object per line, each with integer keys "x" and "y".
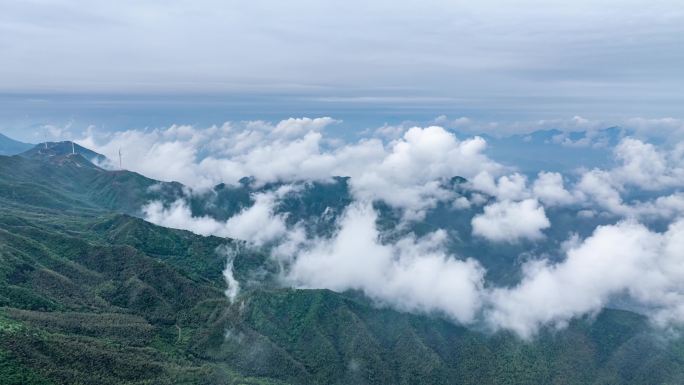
{"x": 555, "y": 150}
{"x": 9, "y": 146}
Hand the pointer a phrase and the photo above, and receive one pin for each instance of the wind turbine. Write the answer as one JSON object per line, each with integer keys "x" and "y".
{"x": 120, "y": 168}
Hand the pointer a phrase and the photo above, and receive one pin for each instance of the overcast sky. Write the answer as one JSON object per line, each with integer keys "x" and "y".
{"x": 544, "y": 57}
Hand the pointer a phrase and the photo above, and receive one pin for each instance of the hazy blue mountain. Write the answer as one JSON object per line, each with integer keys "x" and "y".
{"x": 555, "y": 150}
{"x": 9, "y": 146}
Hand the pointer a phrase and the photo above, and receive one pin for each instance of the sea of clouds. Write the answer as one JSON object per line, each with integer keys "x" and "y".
{"x": 629, "y": 257}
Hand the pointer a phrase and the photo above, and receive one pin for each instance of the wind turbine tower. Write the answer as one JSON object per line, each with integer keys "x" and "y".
{"x": 120, "y": 168}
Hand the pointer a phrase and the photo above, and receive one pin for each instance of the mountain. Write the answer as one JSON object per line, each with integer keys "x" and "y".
{"x": 71, "y": 182}
{"x": 48, "y": 150}
{"x": 9, "y": 146}
{"x": 91, "y": 294}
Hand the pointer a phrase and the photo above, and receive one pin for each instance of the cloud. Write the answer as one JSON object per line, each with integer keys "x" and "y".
{"x": 410, "y": 171}
{"x": 418, "y": 274}
{"x": 508, "y": 221}
{"x": 667, "y": 207}
{"x": 577, "y": 131}
{"x": 655, "y": 170}
{"x": 506, "y": 187}
{"x": 202, "y": 158}
{"x": 257, "y": 224}
{"x": 407, "y": 172}
{"x": 626, "y": 258}
{"x": 549, "y": 188}
{"x": 299, "y": 126}
{"x": 411, "y": 274}
{"x": 668, "y": 128}
{"x": 640, "y": 166}
{"x": 646, "y": 167}
{"x": 232, "y": 284}
{"x": 506, "y": 128}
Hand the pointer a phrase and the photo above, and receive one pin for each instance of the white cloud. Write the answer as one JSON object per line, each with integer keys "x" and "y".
{"x": 419, "y": 275}
{"x": 597, "y": 186}
{"x": 644, "y": 166}
{"x": 409, "y": 171}
{"x": 232, "y": 284}
{"x": 512, "y": 187}
{"x": 641, "y": 165}
{"x": 506, "y": 187}
{"x": 406, "y": 172}
{"x": 668, "y": 128}
{"x": 257, "y": 224}
{"x": 625, "y": 258}
{"x": 176, "y": 217}
{"x": 549, "y": 188}
{"x": 299, "y": 126}
{"x": 667, "y": 207}
{"x": 508, "y": 221}
{"x": 412, "y": 274}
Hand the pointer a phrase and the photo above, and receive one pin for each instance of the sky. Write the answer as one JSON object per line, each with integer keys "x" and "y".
{"x": 131, "y": 64}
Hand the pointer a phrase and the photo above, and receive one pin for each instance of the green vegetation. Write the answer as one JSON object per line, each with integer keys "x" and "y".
{"x": 90, "y": 295}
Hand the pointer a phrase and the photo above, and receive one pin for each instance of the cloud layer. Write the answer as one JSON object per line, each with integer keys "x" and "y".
{"x": 621, "y": 259}
{"x": 411, "y": 171}
{"x": 407, "y": 172}
{"x": 511, "y": 221}
{"x": 624, "y": 260}
{"x": 410, "y": 274}
{"x": 588, "y": 56}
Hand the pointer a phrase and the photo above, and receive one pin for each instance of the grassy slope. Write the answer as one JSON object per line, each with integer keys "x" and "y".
{"x": 93, "y": 297}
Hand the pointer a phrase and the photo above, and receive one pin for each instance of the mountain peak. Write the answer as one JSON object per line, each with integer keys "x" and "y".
{"x": 62, "y": 150}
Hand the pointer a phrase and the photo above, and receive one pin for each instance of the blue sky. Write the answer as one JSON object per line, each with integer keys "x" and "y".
{"x": 128, "y": 63}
